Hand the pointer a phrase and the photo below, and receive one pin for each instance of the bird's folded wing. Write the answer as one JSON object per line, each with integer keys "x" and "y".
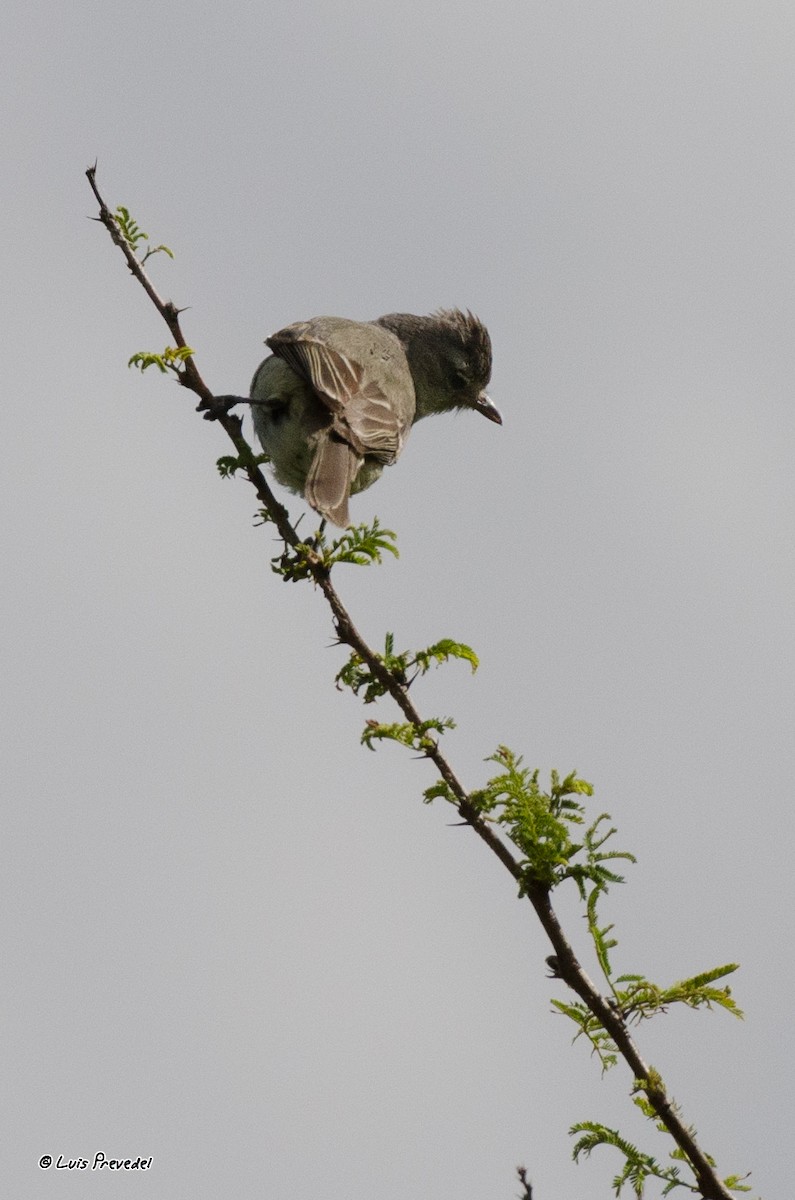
{"x": 333, "y": 376}
{"x": 365, "y": 415}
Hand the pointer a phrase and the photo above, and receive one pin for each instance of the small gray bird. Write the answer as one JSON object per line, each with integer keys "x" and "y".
{"x": 335, "y": 402}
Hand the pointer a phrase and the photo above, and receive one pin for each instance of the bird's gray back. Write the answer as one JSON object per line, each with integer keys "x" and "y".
{"x": 360, "y": 371}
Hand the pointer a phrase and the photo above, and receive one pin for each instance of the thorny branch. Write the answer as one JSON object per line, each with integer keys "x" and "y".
{"x": 563, "y": 963}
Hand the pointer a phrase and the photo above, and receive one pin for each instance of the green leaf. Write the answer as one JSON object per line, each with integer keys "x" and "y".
{"x": 540, "y": 823}
{"x": 404, "y": 667}
{"x": 416, "y": 737}
{"x": 228, "y": 465}
{"x": 359, "y": 545}
{"x": 171, "y": 359}
{"x": 440, "y": 791}
{"x": 441, "y": 652}
{"x": 134, "y": 235}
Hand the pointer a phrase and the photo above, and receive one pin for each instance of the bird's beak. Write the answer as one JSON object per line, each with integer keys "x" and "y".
{"x": 484, "y": 406}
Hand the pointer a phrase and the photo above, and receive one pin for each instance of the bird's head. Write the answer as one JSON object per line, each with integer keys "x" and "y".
{"x": 465, "y": 358}
{"x": 449, "y": 354}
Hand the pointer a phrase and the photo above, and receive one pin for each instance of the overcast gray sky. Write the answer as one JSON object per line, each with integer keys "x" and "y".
{"x": 233, "y": 940}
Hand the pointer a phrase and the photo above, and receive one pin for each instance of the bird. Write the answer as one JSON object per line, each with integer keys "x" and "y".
{"x": 335, "y": 401}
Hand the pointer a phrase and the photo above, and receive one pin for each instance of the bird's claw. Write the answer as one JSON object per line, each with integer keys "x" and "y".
{"x": 219, "y": 406}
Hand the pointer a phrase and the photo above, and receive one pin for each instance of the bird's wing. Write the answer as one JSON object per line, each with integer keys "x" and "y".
{"x": 372, "y": 421}
{"x": 330, "y": 373}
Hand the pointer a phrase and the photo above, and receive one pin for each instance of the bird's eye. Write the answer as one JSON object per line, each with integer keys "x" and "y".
{"x": 460, "y": 377}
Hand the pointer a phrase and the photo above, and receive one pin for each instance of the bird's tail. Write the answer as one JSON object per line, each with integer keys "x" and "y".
{"x": 328, "y": 484}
